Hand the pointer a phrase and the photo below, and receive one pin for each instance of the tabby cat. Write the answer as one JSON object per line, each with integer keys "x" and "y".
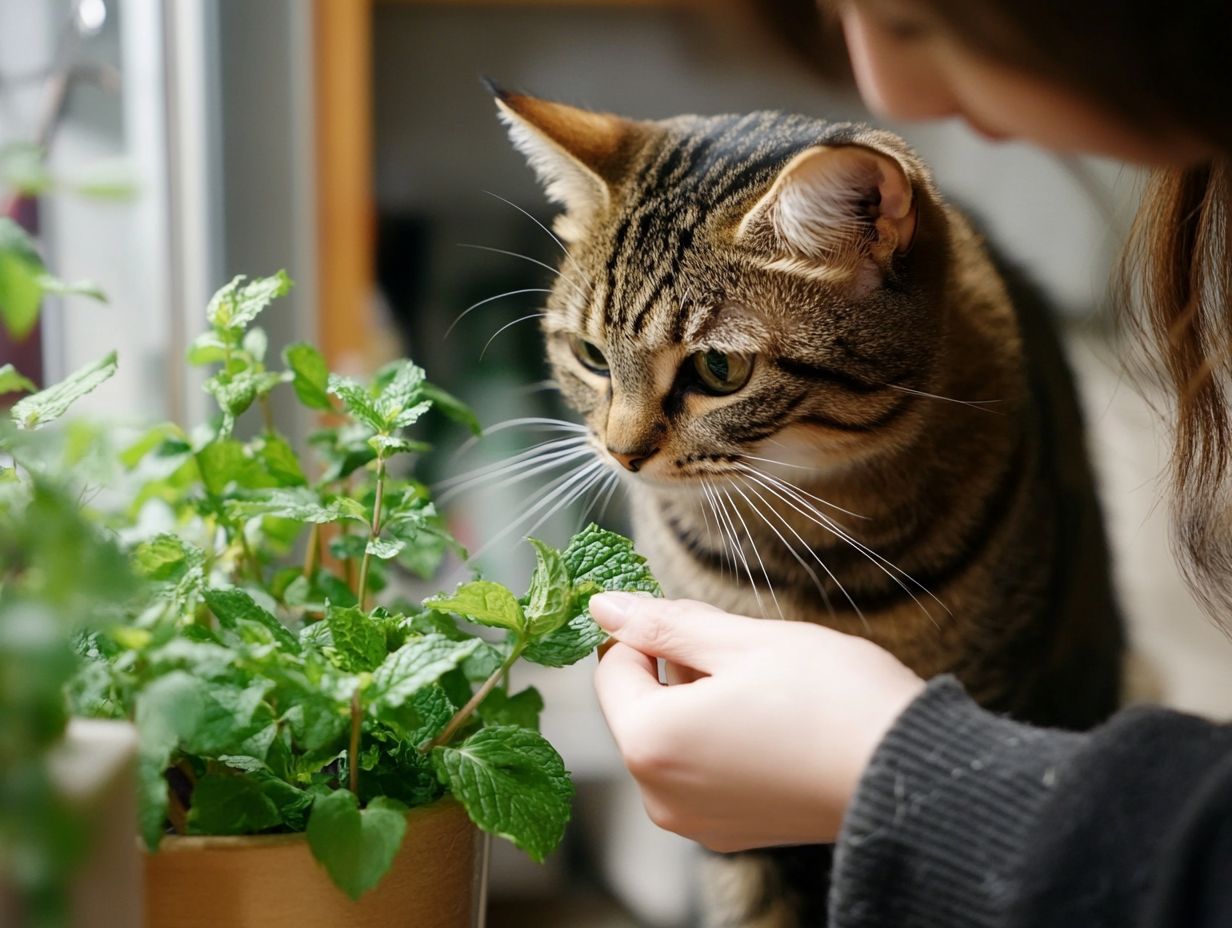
{"x": 828, "y": 407}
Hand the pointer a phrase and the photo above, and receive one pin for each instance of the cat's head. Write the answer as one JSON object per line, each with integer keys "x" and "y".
{"x": 735, "y": 284}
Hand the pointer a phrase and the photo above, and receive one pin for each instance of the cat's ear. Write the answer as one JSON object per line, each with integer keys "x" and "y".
{"x": 575, "y": 153}
{"x": 836, "y": 204}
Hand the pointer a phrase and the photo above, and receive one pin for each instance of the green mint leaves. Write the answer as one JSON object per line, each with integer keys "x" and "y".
{"x": 276, "y": 684}
{"x": 356, "y": 847}
{"x": 513, "y": 784}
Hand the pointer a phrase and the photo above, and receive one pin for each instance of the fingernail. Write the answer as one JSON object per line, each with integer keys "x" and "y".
{"x": 611, "y": 610}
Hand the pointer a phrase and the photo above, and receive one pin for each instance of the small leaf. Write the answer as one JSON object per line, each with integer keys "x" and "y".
{"x": 165, "y": 557}
{"x": 513, "y": 784}
{"x": 385, "y": 548}
{"x": 11, "y": 381}
{"x": 522, "y": 710}
{"x": 38, "y": 409}
{"x": 357, "y": 400}
{"x": 355, "y": 848}
{"x": 234, "y": 605}
{"x": 311, "y": 375}
{"x": 59, "y": 287}
{"x": 400, "y": 402}
{"x": 484, "y": 602}
{"x": 551, "y": 593}
{"x": 418, "y": 663}
{"x": 155, "y": 437}
{"x": 609, "y": 560}
{"x": 452, "y": 407}
{"x": 208, "y": 348}
{"x": 359, "y": 642}
{"x": 568, "y": 644}
{"x": 168, "y": 710}
{"x": 387, "y": 445}
{"x": 298, "y": 503}
{"x": 20, "y": 271}
{"x": 230, "y": 805}
{"x": 282, "y": 462}
{"x": 239, "y": 303}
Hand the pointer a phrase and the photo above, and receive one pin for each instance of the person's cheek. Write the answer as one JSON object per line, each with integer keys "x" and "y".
{"x": 897, "y": 80}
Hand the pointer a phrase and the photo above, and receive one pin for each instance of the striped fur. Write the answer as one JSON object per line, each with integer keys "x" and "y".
{"x": 929, "y": 488}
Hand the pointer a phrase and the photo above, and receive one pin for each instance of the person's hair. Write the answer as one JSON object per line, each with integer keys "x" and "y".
{"x": 1164, "y": 70}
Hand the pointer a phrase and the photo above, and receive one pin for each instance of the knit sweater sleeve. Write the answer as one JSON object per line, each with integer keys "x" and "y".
{"x": 965, "y": 819}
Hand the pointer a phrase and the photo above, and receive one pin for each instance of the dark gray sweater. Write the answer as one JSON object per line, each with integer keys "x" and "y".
{"x": 967, "y": 819}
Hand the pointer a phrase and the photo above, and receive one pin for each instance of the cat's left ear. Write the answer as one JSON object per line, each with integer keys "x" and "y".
{"x": 836, "y": 204}
{"x": 576, "y": 153}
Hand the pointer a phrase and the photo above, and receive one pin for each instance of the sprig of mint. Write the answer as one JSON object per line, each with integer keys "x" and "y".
{"x": 274, "y": 687}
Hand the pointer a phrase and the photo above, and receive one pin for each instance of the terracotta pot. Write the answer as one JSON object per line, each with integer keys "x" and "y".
{"x": 272, "y": 881}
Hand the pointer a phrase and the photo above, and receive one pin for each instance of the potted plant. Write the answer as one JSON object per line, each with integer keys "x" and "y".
{"x": 313, "y": 748}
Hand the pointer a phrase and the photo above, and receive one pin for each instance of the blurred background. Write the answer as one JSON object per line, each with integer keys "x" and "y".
{"x": 352, "y": 143}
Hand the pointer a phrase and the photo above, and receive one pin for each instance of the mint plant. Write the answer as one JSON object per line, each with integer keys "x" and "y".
{"x": 277, "y": 682}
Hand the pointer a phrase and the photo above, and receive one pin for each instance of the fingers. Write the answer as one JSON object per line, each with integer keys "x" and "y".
{"x": 624, "y": 676}
{"x": 685, "y": 632}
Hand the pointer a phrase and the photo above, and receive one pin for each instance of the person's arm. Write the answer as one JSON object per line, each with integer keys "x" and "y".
{"x": 950, "y": 815}
{"x": 963, "y": 818}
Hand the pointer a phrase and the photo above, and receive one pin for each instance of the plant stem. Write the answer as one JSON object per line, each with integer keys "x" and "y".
{"x": 374, "y": 534}
{"x": 313, "y": 551}
{"x": 353, "y": 755}
{"x": 267, "y": 413}
{"x": 460, "y": 717}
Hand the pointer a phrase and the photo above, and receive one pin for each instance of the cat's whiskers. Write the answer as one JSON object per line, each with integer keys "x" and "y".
{"x": 507, "y": 474}
{"x": 543, "y": 264}
{"x": 500, "y": 296}
{"x": 540, "y": 422}
{"x": 825, "y": 597}
{"x": 824, "y": 502}
{"x": 562, "y": 491}
{"x": 756, "y": 553}
{"x": 551, "y": 444}
{"x": 786, "y": 492}
{"x": 727, "y": 558}
{"x": 604, "y": 485}
{"x": 552, "y": 235}
{"x": 974, "y": 404}
{"x": 738, "y": 548}
{"x": 508, "y": 325}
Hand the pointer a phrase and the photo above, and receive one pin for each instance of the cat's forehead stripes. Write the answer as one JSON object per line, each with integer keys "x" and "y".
{"x": 694, "y": 171}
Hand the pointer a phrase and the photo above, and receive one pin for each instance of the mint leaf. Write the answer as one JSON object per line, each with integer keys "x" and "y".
{"x": 513, "y": 784}
{"x": 168, "y": 710}
{"x": 484, "y": 602}
{"x": 281, "y": 461}
{"x": 239, "y": 303}
{"x": 11, "y": 381}
{"x": 166, "y": 557}
{"x": 357, "y": 400}
{"x": 551, "y": 592}
{"x": 416, "y": 664}
{"x": 522, "y": 709}
{"x": 298, "y": 503}
{"x": 400, "y": 402}
{"x": 234, "y": 605}
{"x": 21, "y": 268}
{"x": 359, "y": 642}
{"x": 230, "y": 805}
{"x": 38, "y": 409}
{"x": 568, "y": 644}
{"x": 609, "y": 560}
{"x": 310, "y": 375}
{"x": 87, "y": 288}
{"x": 393, "y": 444}
{"x": 385, "y": 548}
{"x": 355, "y": 848}
{"x": 451, "y": 406}
{"x": 291, "y": 802}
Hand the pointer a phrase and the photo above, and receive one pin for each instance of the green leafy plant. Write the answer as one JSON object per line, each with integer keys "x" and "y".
{"x": 278, "y": 682}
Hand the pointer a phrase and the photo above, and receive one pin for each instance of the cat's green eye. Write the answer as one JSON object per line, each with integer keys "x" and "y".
{"x": 589, "y": 354}
{"x": 720, "y": 372}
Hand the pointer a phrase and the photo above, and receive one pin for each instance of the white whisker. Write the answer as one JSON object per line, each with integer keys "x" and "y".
{"x": 508, "y": 325}
{"x": 739, "y": 549}
{"x": 824, "y": 502}
{"x": 543, "y": 264}
{"x": 508, "y": 477}
{"x": 757, "y": 554}
{"x": 975, "y": 404}
{"x": 543, "y": 447}
{"x": 500, "y": 296}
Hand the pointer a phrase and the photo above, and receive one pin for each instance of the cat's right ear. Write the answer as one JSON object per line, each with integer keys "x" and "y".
{"x": 575, "y": 153}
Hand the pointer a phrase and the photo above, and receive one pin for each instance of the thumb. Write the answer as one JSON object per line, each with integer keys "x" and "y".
{"x": 687, "y": 632}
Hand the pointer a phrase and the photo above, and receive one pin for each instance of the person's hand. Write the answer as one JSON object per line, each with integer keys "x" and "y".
{"x": 766, "y": 743}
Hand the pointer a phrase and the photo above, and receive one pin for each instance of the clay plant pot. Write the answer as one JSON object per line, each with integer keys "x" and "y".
{"x": 437, "y": 880}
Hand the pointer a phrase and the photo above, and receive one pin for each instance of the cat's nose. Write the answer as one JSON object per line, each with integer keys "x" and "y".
{"x": 632, "y": 460}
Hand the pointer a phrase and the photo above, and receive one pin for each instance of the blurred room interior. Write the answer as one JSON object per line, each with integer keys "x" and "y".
{"x": 352, "y": 143}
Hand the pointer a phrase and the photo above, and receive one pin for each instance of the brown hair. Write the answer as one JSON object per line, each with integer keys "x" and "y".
{"x": 1163, "y": 70}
